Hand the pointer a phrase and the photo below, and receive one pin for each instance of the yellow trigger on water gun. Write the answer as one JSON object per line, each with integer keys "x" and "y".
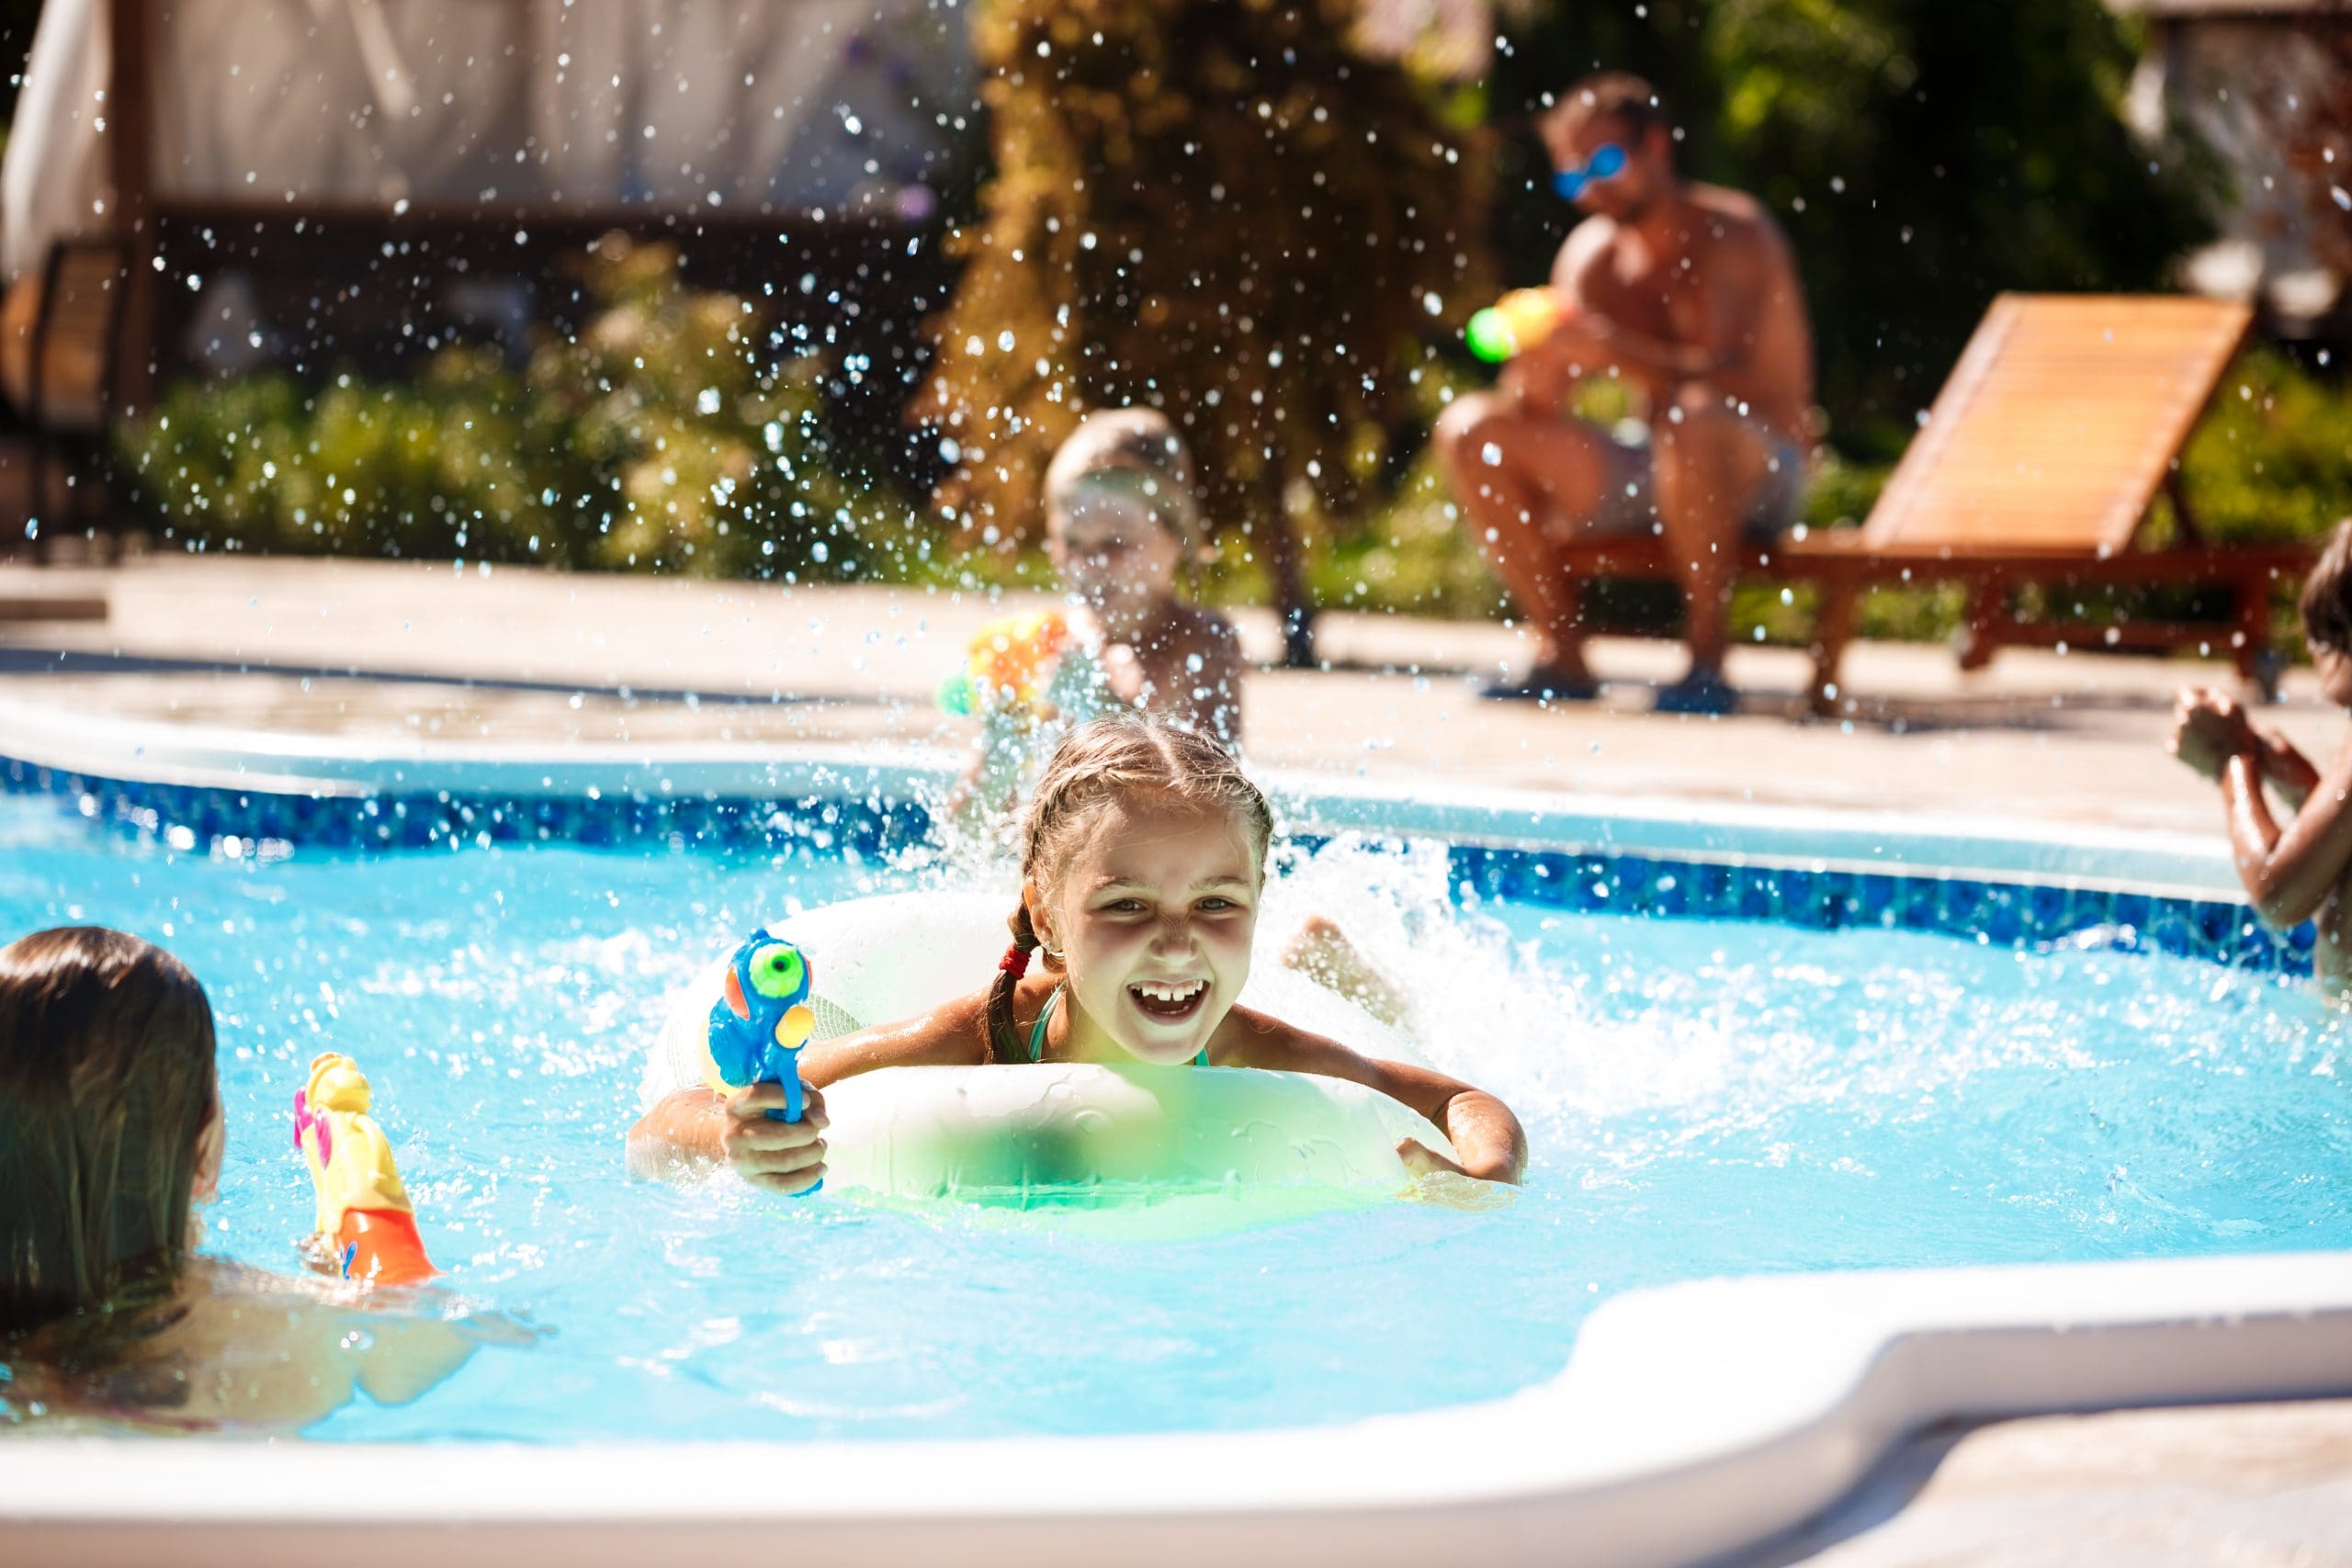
{"x": 1009, "y": 666}
{"x": 364, "y": 1211}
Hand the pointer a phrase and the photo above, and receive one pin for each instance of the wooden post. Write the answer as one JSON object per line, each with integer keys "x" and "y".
{"x": 1291, "y": 599}
{"x": 1833, "y": 629}
{"x": 2251, "y": 633}
{"x": 130, "y": 164}
{"x": 1989, "y": 616}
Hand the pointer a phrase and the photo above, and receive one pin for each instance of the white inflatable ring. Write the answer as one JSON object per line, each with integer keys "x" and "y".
{"x": 1027, "y": 1134}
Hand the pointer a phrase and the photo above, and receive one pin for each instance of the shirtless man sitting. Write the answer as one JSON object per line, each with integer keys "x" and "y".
{"x": 1688, "y": 292}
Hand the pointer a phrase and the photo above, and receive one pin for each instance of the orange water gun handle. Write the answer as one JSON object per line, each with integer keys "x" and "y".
{"x": 380, "y": 1246}
{"x": 363, "y": 1210}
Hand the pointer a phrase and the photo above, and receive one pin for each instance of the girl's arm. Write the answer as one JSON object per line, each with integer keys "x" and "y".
{"x": 694, "y": 1131}
{"x": 2288, "y": 874}
{"x": 955, "y": 1035}
{"x": 1487, "y": 1139}
{"x": 984, "y": 792}
{"x": 1160, "y": 673}
{"x": 2291, "y": 774}
{"x": 1213, "y": 696}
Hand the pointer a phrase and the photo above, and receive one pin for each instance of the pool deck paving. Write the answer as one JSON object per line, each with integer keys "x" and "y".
{"x": 412, "y": 654}
{"x": 418, "y": 656}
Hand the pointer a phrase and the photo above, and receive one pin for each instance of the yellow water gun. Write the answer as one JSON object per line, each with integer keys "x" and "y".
{"x": 364, "y": 1211}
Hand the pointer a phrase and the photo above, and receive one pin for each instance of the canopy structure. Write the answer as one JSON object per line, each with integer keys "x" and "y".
{"x": 257, "y": 136}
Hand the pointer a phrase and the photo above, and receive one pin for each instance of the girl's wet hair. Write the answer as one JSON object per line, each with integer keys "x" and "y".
{"x": 2326, "y": 603}
{"x": 1137, "y": 449}
{"x": 1119, "y": 757}
{"x": 106, "y": 1086}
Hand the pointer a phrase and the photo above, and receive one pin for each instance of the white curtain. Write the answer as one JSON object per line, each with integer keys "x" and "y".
{"x": 581, "y": 104}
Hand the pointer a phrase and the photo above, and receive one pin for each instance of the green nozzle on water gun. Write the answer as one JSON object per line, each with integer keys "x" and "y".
{"x": 1517, "y": 321}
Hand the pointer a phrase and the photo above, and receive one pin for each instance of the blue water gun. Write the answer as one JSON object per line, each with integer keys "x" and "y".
{"x": 762, "y": 1020}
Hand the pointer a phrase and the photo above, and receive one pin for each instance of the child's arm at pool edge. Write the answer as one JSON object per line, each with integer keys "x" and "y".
{"x": 2208, "y": 726}
{"x": 1488, "y": 1142}
{"x": 2289, "y": 873}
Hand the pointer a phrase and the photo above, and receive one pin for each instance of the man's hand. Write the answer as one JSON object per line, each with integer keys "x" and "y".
{"x": 1540, "y": 377}
{"x": 2209, "y": 729}
{"x": 774, "y": 1156}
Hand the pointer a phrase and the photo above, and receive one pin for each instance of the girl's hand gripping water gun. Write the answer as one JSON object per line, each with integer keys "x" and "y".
{"x": 761, "y": 1021}
{"x": 1009, "y": 666}
{"x": 364, "y": 1211}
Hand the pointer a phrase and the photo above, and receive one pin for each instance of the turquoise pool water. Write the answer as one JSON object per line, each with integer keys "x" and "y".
{"x": 1703, "y": 1098}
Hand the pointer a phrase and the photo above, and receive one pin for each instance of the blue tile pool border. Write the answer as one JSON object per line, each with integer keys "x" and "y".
{"x": 1999, "y": 911}
{"x": 264, "y": 822}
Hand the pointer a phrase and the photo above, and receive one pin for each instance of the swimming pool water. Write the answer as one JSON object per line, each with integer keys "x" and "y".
{"x": 1702, "y": 1097}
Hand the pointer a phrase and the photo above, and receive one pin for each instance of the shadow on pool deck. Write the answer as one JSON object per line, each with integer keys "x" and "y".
{"x": 87, "y": 662}
{"x": 2184, "y": 1487}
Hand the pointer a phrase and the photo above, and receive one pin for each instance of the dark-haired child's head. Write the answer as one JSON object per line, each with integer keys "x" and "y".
{"x": 2327, "y": 615}
{"x": 109, "y": 1119}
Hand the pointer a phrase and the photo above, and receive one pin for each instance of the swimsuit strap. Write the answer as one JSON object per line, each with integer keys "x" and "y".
{"x": 1046, "y": 1016}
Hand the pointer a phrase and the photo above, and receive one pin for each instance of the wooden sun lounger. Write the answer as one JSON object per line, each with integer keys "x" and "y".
{"x": 2037, "y": 465}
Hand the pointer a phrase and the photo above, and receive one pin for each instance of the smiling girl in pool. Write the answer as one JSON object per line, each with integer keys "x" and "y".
{"x": 1143, "y": 860}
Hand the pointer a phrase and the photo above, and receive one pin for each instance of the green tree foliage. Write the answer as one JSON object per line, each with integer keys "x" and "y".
{"x": 666, "y": 435}
{"x": 17, "y": 20}
{"x": 1923, "y": 156}
{"x": 2273, "y": 458}
{"x": 1213, "y": 206}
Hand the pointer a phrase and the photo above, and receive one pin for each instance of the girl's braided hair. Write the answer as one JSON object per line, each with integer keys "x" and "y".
{"x": 1116, "y": 757}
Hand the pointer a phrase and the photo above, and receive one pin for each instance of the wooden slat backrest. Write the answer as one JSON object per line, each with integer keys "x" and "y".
{"x": 80, "y": 312}
{"x": 87, "y": 278}
{"x": 2058, "y": 424}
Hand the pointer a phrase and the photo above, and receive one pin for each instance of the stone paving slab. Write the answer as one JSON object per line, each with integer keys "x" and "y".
{"x": 528, "y": 658}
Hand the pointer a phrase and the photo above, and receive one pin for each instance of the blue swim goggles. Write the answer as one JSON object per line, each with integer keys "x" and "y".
{"x": 1608, "y": 160}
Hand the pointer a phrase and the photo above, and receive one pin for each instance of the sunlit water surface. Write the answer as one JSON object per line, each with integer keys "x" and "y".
{"x": 1703, "y": 1098}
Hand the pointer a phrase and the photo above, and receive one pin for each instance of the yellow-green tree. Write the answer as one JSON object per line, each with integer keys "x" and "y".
{"x": 1219, "y": 208}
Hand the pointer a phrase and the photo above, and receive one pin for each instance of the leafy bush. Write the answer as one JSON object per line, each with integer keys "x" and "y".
{"x": 667, "y": 436}
{"x": 2273, "y": 458}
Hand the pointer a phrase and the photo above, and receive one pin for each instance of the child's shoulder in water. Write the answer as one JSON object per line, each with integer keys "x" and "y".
{"x": 241, "y": 1349}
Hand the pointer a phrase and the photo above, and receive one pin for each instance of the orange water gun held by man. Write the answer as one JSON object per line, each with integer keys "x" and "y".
{"x": 1517, "y": 321}
{"x": 365, "y": 1219}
